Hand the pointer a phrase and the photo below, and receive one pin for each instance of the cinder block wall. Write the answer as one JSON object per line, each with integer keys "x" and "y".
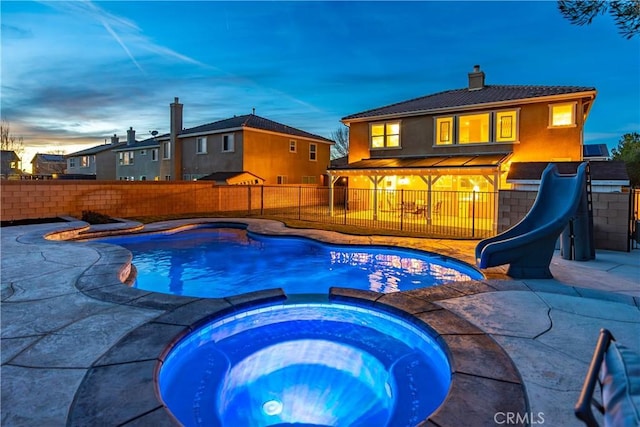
{"x": 610, "y": 215}
{"x": 46, "y": 199}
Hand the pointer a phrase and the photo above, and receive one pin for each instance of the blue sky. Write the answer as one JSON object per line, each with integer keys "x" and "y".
{"x": 75, "y": 73}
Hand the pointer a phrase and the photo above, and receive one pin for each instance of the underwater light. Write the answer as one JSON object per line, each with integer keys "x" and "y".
{"x": 272, "y": 407}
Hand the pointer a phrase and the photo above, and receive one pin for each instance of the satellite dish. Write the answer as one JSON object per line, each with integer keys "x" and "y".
{"x": 153, "y": 132}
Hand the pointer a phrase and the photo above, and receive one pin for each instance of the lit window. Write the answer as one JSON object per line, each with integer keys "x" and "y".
{"x": 166, "y": 151}
{"x": 313, "y": 152}
{"x": 126, "y": 157}
{"x": 444, "y": 130}
{"x": 562, "y": 115}
{"x": 385, "y": 135}
{"x": 473, "y": 128}
{"x": 292, "y": 146}
{"x": 227, "y": 143}
{"x": 84, "y": 161}
{"x": 201, "y": 145}
{"x": 506, "y": 126}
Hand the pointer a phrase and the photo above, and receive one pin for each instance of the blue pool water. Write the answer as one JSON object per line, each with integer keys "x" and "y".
{"x": 317, "y": 364}
{"x": 219, "y": 262}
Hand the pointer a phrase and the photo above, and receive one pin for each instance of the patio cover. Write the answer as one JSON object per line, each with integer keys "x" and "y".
{"x": 433, "y": 165}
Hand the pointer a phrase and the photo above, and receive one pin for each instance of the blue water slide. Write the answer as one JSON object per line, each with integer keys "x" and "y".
{"x": 528, "y": 246}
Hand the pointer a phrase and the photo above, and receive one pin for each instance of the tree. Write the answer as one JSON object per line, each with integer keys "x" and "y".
{"x": 625, "y": 13}
{"x": 8, "y": 141}
{"x": 341, "y": 147}
{"x": 628, "y": 150}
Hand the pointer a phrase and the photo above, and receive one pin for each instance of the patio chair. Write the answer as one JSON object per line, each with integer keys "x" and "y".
{"x": 617, "y": 370}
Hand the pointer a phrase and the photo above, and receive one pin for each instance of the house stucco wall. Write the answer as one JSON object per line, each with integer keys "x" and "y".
{"x": 536, "y": 140}
{"x": 610, "y": 215}
{"x": 214, "y": 160}
{"x": 279, "y": 160}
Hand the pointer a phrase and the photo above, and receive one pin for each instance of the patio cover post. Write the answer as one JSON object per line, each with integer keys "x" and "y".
{"x": 376, "y": 180}
{"x": 332, "y": 180}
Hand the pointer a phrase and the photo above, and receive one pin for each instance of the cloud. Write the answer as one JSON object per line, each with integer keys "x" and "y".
{"x": 125, "y": 32}
{"x": 13, "y": 32}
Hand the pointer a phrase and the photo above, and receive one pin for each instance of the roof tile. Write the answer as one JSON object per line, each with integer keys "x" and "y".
{"x": 465, "y": 98}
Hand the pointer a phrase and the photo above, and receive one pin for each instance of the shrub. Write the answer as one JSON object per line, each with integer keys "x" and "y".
{"x": 96, "y": 218}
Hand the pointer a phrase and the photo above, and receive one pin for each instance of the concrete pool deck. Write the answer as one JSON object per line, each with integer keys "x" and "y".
{"x": 80, "y": 348}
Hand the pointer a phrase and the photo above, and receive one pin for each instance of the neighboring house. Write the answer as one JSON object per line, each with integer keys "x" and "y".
{"x": 10, "y": 165}
{"x": 137, "y": 160}
{"x": 606, "y": 177}
{"x": 464, "y": 139}
{"x": 274, "y": 152}
{"x": 96, "y": 162}
{"x": 48, "y": 164}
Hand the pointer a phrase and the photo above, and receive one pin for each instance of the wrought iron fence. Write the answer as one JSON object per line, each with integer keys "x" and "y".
{"x": 436, "y": 214}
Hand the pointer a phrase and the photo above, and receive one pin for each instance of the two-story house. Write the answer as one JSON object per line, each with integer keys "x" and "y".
{"x": 137, "y": 160}
{"x": 9, "y": 165}
{"x": 243, "y": 146}
{"x": 47, "y": 165}
{"x": 97, "y": 162}
{"x": 463, "y": 139}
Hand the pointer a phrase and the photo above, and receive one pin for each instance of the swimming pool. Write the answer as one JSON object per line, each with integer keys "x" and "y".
{"x": 218, "y": 261}
{"x": 316, "y": 364}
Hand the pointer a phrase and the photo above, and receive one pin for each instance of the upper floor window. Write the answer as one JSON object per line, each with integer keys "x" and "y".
{"x": 444, "y": 130}
{"x": 72, "y": 162}
{"x": 154, "y": 154}
{"x": 292, "y": 146}
{"x": 506, "y": 126}
{"x": 562, "y": 115}
{"x": 313, "y": 152}
{"x": 281, "y": 179}
{"x": 227, "y": 143}
{"x": 126, "y": 157}
{"x": 473, "y": 128}
{"x": 385, "y": 135}
{"x": 201, "y": 145}
{"x": 166, "y": 150}
{"x": 479, "y": 128}
{"x": 84, "y": 161}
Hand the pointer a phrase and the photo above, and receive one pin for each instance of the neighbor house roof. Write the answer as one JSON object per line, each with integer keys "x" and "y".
{"x": 226, "y": 176}
{"x": 149, "y": 142}
{"x": 254, "y": 122}
{"x": 96, "y": 149}
{"x": 48, "y": 157}
{"x": 600, "y": 171}
{"x": 595, "y": 150}
{"x": 459, "y": 98}
{"x": 9, "y": 156}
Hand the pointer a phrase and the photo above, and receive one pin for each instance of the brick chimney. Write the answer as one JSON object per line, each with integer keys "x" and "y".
{"x": 131, "y": 136}
{"x": 176, "y": 148}
{"x": 115, "y": 139}
{"x": 476, "y": 78}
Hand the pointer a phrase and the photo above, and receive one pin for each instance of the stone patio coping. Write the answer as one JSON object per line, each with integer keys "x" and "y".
{"x": 121, "y": 386}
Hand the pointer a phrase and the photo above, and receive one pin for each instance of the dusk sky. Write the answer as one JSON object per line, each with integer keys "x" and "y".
{"x": 75, "y": 73}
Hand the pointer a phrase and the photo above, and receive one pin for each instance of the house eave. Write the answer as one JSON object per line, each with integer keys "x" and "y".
{"x": 590, "y": 95}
